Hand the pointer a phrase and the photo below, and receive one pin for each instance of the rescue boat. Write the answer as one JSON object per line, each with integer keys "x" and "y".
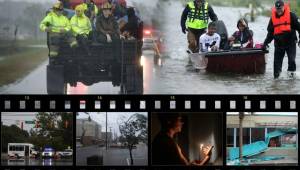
{"x": 241, "y": 61}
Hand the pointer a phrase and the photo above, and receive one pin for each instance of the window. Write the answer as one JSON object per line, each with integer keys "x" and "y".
{"x": 246, "y": 136}
{"x": 230, "y": 137}
{"x": 286, "y": 140}
{"x": 19, "y": 148}
{"x": 11, "y": 148}
{"x": 289, "y": 140}
{"x": 275, "y": 142}
{"x": 257, "y": 134}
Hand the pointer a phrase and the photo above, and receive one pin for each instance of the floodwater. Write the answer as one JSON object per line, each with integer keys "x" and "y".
{"x": 37, "y": 162}
{"x": 172, "y": 77}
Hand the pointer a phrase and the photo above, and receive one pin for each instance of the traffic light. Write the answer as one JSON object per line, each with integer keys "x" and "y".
{"x": 66, "y": 124}
{"x": 37, "y": 124}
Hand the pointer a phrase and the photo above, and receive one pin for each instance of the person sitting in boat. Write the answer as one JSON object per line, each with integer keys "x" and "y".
{"x": 243, "y": 37}
{"x": 210, "y": 41}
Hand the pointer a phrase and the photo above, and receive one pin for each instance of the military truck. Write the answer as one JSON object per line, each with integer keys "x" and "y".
{"x": 114, "y": 62}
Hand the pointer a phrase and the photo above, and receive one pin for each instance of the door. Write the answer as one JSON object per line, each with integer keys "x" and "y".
{"x": 26, "y": 150}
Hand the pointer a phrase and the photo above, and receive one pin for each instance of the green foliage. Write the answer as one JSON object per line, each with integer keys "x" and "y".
{"x": 133, "y": 131}
{"x": 12, "y": 134}
{"x": 53, "y": 131}
{"x": 295, "y": 6}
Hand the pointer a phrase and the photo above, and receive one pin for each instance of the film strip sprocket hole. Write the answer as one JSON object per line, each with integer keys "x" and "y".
{"x": 150, "y": 103}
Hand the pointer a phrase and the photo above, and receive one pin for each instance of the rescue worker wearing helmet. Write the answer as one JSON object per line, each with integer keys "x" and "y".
{"x": 58, "y": 28}
{"x": 194, "y": 19}
{"x": 90, "y": 9}
{"x": 81, "y": 28}
{"x": 106, "y": 26}
{"x": 282, "y": 28}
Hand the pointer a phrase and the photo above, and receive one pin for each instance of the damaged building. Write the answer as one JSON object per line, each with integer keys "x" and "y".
{"x": 268, "y": 138}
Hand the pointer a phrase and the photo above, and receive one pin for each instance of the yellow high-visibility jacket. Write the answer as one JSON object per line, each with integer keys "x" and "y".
{"x": 55, "y": 22}
{"x": 81, "y": 25}
{"x": 197, "y": 19}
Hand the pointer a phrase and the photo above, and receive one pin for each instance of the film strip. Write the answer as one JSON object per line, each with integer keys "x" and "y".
{"x": 150, "y": 103}
{"x": 208, "y": 112}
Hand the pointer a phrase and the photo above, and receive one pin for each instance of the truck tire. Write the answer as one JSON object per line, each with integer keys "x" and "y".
{"x": 140, "y": 80}
{"x": 116, "y": 74}
{"x": 133, "y": 79}
{"x": 55, "y": 79}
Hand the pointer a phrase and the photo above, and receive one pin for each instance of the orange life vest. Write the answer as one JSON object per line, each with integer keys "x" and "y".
{"x": 283, "y": 23}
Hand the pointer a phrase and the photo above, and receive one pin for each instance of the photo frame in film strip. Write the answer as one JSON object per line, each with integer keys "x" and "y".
{"x": 149, "y": 132}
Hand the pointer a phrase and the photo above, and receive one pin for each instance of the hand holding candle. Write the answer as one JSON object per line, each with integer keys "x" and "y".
{"x": 201, "y": 147}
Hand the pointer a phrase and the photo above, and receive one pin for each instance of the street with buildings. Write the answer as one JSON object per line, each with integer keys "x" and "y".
{"x": 106, "y": 146}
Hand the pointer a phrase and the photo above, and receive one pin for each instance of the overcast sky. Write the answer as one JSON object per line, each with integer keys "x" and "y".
{"x": 33, "y": 0}
{"x": 10, "y": 118}
{"x": 16, "y": 118}
{"x": 113, "y": 118}
{"x": 268, "y": 113}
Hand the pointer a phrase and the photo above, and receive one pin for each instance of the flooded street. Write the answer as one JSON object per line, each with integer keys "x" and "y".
{"x": 36, "y": 162}
{"x": 172, "y": 76}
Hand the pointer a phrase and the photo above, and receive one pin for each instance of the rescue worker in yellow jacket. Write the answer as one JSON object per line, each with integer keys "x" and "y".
{"x": 58, "y": 28}
{"x": 90, "y": 9}
{"x": 194, "y": 19}
{"x": 81, "y": 28}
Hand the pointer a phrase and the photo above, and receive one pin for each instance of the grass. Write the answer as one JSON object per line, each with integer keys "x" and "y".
{"x": 19, "y": 61}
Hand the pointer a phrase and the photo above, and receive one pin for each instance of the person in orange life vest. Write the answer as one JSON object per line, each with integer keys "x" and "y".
{"x": 282, "y": 28}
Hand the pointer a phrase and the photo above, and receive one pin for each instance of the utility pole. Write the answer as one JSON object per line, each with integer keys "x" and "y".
{"x": 241, "y": 117}
{"x": 110, "y": 137}
{"x": 106, "y": 146}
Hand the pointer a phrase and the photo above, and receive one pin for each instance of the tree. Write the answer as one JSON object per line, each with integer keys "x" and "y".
{"x": 53, "y": 130}
{"x": 12, "y": 134}
{"x": 31, "y": 17}
{"x": 133, "y": 131}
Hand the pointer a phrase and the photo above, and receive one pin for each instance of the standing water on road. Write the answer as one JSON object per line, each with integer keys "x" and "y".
{"x": 173, "y": 77}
